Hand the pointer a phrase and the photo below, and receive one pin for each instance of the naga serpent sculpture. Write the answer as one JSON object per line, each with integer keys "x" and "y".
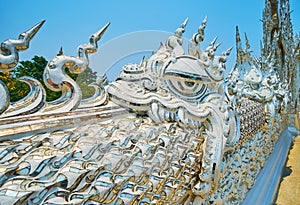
{"x": 56, "y": 79}
{"x": 173, "y": 87}
{"x": 9, "y": 58}
{"x": 170, "y": 88}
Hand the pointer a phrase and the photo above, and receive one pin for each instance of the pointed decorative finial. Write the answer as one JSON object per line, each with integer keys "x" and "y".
{"x": 217, "y": 46}
{"x": 11, "y": 48}
{"x": 161, "y": 45}
{"x": 238, "y": 38}
{"x": 143, "y": 62}
{"x": 203, "y": 26}
{"x": 179, "y": 31}
{"x": 100, "y": 33}
{"x": 247, "y": 42}
{"x": 183, "y": 25}
{"x": 238, "y": 44}
{"x": 60, "y": 53}
{"x": 92, "y": 46}
{"x": 199, "y": 37}
{"x": 227, "y": 52}
{"x": 212, "y": 43}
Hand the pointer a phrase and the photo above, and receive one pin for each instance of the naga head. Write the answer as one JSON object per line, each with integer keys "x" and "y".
{"x": 173, "y": 87}
{"x": 170, "y": 87}
{"x": 9, "y": 49}
{"x": 92, "y": 46}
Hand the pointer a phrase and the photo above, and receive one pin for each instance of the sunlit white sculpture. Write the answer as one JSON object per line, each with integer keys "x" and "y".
{"x": 170, "y": 130}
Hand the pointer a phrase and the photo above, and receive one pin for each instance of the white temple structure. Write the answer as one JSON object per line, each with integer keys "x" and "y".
{"x": 170, "y": 130}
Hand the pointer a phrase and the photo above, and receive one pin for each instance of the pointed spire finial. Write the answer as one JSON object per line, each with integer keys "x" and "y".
{"x": 247, "y": 41}
{"x": 180, "y": 30}
{"x": 238, "y": 38}
{"x": 215, "y": 47}
{"x": 237, "y": 34}
{"x": 161, "y": 45}
{"x": 60, "y": 52}
{"x": 183, "y": 25}
{"x": 201, "y": 29}
{"x": 100, "y": 33}
{"x": 213, "y": 41}
{"x": 227, "y": 52}
{"x": 143, "y": 62}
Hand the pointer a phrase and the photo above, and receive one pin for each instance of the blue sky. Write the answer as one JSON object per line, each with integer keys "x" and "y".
{"x": 69, "y": 23}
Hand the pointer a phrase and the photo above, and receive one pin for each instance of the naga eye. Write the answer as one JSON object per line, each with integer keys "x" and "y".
{"x": 189, "y": 84}
{"x": 185, "y": 78}
{"x": 184, "y": 89}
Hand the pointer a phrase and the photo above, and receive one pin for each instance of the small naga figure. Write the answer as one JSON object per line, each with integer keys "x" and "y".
{"x": 54, "y": 76}
{"x": 175, "y": 87}
{"x": 9, "y": 58}
{"x": 9, "y": 50}
{"x": 56, "y": 79}
{"x": 174, "y": 43}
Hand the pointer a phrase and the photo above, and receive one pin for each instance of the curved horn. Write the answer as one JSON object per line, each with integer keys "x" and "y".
{"x": 92, "y": 46}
